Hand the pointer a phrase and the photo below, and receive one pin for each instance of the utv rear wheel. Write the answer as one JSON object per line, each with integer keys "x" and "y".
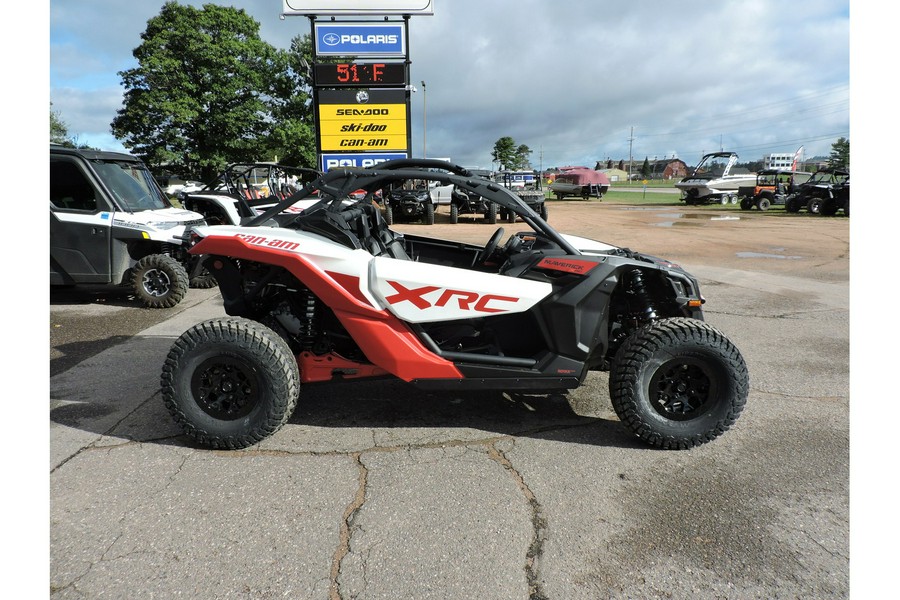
{"x": 678, "y": 383}
{"x": 814, "y": 206}
{"x": 230, "y": 382}
{"x": 159, "y": 281}
{"x": 203, "y": 281}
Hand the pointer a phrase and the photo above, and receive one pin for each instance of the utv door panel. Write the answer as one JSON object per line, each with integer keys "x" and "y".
{"x": 80, "y": 226}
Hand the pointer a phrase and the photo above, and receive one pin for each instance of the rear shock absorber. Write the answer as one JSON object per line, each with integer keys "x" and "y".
{"x": 306, "y": 307}
{"x": 642, "y": 307}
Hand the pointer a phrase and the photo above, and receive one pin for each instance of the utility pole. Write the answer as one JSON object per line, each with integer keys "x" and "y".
{"x": 424, "y": 119}
{"x": 630, "y": 148}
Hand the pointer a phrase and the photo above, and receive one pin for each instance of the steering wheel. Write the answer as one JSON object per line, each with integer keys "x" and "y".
{"x": 490, "y": 247}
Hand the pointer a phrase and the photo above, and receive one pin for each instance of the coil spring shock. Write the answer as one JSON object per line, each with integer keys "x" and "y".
{"x": 306, "y": 310}
{"x": 642, "y": 308}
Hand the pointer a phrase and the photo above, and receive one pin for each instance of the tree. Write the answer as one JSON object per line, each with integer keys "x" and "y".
{"x": 509, "y": 155}
{"x": 59, "y": 131}
{"x": 199, "y": 97}
{"x": 293, "y": 137}
{"x": 840, "y": 154}
{"x": 645, "y": 168}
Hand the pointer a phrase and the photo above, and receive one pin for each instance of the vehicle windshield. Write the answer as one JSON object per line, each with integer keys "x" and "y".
{"x": 132, "y": 185}
{"x": 715, "y": 165}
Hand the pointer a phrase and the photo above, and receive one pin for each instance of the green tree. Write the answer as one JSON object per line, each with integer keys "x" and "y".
{"x": 840, "y": 154}
{"x": 293, "y": 136}
{"x": 59, "y": 131}
{"x": 509, "y": 155}
{"x": 646, "y": 171}
{"x": 199, "y": 96}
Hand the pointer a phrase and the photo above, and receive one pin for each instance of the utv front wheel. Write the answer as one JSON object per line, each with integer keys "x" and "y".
{"x": 428, "y": 217}
{"x": 159, "y": 281}
{"x": 454, "y": 214}
{"x": 230, "y": 382}
{"x": 678, "y": 383}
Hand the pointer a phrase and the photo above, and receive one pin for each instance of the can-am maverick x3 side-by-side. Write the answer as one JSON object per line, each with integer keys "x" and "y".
{"x": 334, "y": 294}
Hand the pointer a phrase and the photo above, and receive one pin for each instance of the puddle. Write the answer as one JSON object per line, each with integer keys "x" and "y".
{"x": 676, "y": 224}
{"x": 762, "y": 255}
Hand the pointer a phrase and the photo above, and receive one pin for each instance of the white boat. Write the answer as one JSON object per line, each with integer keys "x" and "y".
{"x": 712, "y": 180}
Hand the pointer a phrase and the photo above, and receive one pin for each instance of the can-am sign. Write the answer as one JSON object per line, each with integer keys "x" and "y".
{"x": 360, "y": 39}
{"x": 358, "y": 7}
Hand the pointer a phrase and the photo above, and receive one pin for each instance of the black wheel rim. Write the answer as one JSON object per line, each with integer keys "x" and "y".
{"x": 683, "y": 389}
{"x": 225, "y": 388}
{"x": 156, "y": 282}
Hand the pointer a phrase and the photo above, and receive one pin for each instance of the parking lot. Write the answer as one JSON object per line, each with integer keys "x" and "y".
{"x": 378, "y": 490}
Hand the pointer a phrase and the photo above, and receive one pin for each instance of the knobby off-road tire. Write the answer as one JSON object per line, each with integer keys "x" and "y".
{"x": 491, "y": 214}
{"x": 454, "y": 214}
{"x": 159, "y": 281}
{"x": 678, "y": 383}
{"x": 230, "y": 382}
{"x": 428, "y": 217}
{"x": 545, "y": 214}
{"x": 388, "y": 215}
{"x": 204, "y": 280}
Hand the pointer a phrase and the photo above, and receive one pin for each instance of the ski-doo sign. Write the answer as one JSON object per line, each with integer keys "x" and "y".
{"x": 357, "y": 7}
{"x": 360, "y": 39}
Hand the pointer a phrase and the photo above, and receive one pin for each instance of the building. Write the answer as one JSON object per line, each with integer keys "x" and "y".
{"x": 783, "y": 160}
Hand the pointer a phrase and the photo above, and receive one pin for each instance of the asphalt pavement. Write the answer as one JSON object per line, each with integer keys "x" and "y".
{"x": 378, "y": 490}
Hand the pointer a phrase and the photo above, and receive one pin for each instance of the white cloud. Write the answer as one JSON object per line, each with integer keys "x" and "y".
{"x": 570, "y": 80}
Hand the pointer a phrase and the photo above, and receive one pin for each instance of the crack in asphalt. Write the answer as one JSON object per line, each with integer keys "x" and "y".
{"x": 346, "y": 524}
{"x": 538, "y": 524}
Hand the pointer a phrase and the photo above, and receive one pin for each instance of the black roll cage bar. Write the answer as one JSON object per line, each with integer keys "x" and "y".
{"x": 337, "y": 185}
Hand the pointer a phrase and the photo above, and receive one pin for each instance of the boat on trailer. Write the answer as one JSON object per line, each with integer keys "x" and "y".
{"x": 712, "y": 180}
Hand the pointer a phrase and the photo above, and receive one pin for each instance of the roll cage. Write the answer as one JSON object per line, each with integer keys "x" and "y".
{"x": 335, "y": 187}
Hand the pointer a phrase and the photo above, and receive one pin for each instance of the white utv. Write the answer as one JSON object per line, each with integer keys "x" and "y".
{"x": 110, "y": 223}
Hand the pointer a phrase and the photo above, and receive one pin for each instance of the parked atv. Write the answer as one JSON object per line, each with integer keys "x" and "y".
{"x": 410, "y": 201}
{"x": 244, "y": 190}
{"x": 530, "y": 190}
{"x": 110, "y": 223}
{"x": 773, "y": 186}
{"x": 335, "y": 294}
{"x": 468, "y": 203}
{"x": 820, "y": 188}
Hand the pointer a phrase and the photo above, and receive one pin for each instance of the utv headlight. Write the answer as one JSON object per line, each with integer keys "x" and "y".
{"x": 164, "y": 225}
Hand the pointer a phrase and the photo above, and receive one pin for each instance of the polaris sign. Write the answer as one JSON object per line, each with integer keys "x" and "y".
{"x": 360, "y": 39}
{"x": 358, "y": 160}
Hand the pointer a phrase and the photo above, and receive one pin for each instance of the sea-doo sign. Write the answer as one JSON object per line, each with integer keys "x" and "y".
{"x": 364, "y": 120}
{"x": 360, "y": 39}
{"x": 357, "y": 7}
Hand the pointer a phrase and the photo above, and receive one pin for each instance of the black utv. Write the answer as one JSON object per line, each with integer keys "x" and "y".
{"x": 410, "y": 202}
{"x": 826, "y": 192}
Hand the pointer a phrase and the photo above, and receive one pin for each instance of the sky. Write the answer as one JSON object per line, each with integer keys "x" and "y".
{"x": 577, "y": 82}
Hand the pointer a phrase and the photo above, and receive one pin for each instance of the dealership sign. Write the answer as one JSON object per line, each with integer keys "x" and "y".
{"x": 357, "y": 159}
{"x": 360, "y": 39}
{"x": 363, "y": 120}
{"x": 357, "y": 7}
